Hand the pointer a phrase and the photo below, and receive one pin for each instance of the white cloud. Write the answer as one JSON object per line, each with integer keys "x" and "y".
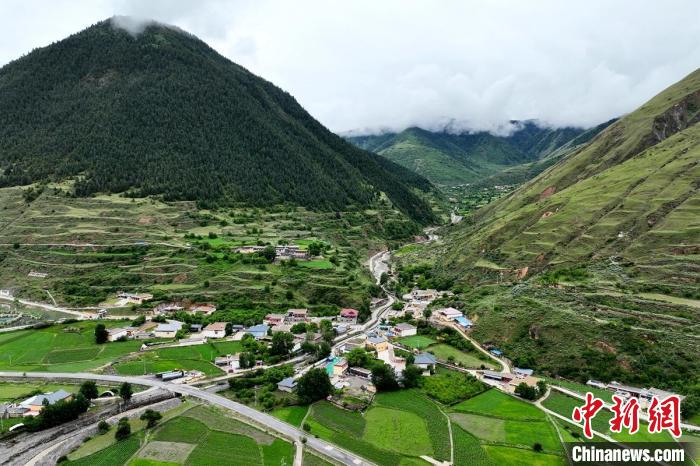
{"x": 397, "y": 63}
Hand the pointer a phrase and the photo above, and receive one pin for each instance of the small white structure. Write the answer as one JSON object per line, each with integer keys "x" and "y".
{"x": 168, "y": 330}
{"x": 215, "y": 330}
{"x": 448, "y": 313}
{"x": 425, "y": 361}
{"x": 114, "y": 334}
{"x": 522, "y": 373}
{"x": 405, "y": 330}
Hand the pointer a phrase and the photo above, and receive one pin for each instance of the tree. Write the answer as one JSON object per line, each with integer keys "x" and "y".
{"x": 537, "y": 447}
{"x": 101, "y": 334}
{"x": 228, "y": 329}
{"x": 140, "y": 320}
{"x": 126, "y": 392}
{"x": 412, "y": 376}
{"x": 89, "y": 390}
{"x": 323, "y": 350}
{"x": 525, "y": 391}
{"x": 358, "y": 357}
{"x": 282, "y": 343}
{"x": 313, "y": 386}
{"x": 299, "y": 327}
{"x": 384, "y": 378}
{"x": 123, "y": 429}
{"x": 315, "y": 248}
{"x": 269, "y": 253}
{"x": 383, "y": 278}
{"x": 151, "y": 417}
{"x": 103, "y": 427}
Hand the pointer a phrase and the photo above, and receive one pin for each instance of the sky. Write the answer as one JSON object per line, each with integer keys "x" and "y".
{"x": 372, "y": 66}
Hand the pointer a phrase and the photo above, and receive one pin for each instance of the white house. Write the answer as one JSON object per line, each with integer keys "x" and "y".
{"x": 215, "y": 330}
{"x": 114, "y": 334}
{"x": 404, "y": 330}
{"x": 448, "y": 313}
{"x": 168, "y": 330}
{"x": 425, "y": 361}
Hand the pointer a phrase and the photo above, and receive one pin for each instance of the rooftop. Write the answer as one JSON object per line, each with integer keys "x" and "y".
{"x": 50, "y": 397}
{"x": 216, "y": 327}
{"x": 424, "y": 358}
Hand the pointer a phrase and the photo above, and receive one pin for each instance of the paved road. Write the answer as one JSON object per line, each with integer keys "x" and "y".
{"x": 263, "y": 419}
{"x": 47, "y": 307}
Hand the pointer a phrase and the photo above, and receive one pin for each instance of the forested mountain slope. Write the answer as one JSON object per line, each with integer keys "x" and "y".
{"x": 161, "y": 113}
{"x": 452, "y": 158}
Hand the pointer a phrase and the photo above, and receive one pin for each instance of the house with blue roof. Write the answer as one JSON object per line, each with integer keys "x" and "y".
{"x": 258, "y": 331}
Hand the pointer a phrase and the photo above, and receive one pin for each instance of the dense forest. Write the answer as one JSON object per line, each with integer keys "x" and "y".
{"x": 163, "y": 114}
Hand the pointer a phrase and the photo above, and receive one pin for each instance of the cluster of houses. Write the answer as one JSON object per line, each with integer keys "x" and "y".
{"x": 507, "y": 381}
{"x": 416, "y": 301}
{"x": 196, "y": 308}
{"x": 282, "y": 252}
{"x": 284, "y": 322}
{"x": 125, "y": 298}
{"x": 32, "y": 406}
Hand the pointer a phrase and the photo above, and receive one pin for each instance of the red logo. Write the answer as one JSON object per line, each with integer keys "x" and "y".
{"x": 587, "y": 412}
{"x": 625, "y": 415}
{"x": 665, "y": 415}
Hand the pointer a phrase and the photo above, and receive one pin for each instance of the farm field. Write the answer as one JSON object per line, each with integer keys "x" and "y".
{"x": 195, "y": 435}
{"x": 497, "y": 404}
{"x": 443, "y": 352}
{"x": 195, "y": 357}
{"x": 496, "y": 428}
{"x": 60, "y": 348}
{"x": 291, "y": 414}
{"x": 417, "y": 341}
{"x": 91, "y": 247}
{"x": 399, "y": 427}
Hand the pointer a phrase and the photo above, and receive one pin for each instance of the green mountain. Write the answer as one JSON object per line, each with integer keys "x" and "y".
{"x": 630, "y": 194}
{"x": 591, "y": 269}
{"x": 449, "y": 159}
{"x": 161, "y": 113}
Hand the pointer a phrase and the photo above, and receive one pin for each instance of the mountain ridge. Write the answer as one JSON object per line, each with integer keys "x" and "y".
{"x": 451, "y": 158}
{"x": 161, "y": 113}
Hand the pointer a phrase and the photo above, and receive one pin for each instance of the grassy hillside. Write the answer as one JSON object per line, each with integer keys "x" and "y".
{"x": 630, "y": 195}
{"x": 163, "y": 114}
{"x": 592, "y": 268}
{"x": 450, "y": 159}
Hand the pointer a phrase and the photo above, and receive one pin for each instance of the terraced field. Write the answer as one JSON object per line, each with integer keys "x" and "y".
{"x": 495, "y": 428}
{"x": 399, "y": 427}
{"x": 199, "y": 435}
{"x": 60, "y": 348}
{"x": 91, "y": 247}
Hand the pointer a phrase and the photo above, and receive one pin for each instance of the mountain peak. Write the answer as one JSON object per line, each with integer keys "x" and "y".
{"x": 162, "y": 113}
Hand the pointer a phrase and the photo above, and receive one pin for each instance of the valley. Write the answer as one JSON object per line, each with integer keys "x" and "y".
{"x": 194, "y": 270}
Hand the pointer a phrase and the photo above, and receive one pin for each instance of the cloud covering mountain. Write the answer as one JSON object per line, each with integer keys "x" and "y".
{"x": 395, "y": 64}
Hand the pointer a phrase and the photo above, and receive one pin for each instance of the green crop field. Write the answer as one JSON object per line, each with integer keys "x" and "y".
{"x": 415, "y": 402}
{"x": 417, "y": 341}
{"x": 199, "y": 435}
{"x": 116, "y": 454}
{"x": 401, "y": 431}
{"x": 195, "y": 357}
{"x": 521, "y": 457}
{"x": 507, "y": 431}
{"x": 497, "y": 404}
{"x": 443, "y": 352}
{"x": 400, "y": 426}
{"x": 468, "y": 449}
{"x": 60, "y": 348}
{"x": 291, "y": 414}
